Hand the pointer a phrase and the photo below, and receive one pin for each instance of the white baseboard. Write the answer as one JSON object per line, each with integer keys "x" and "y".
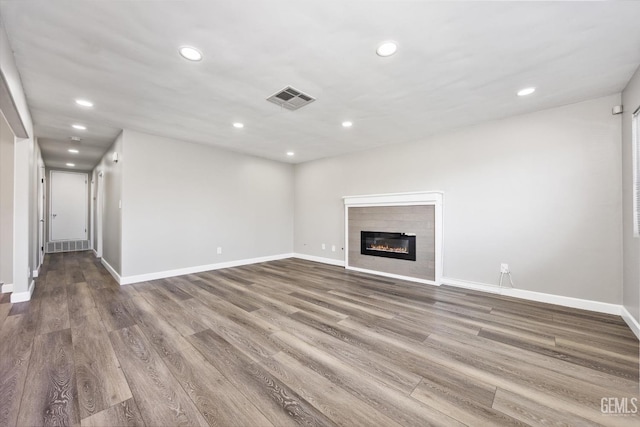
{"x": 471, "y": 285}
{"x": 126, "y": 280}
{"x": 95, "y": 253}
{"x": 393, "y": 276}
{"x": 331, "y": 261}
{"x": 111, "y": 270}
{"x": 7, "y": 287}
{"x": 23, "y": 296}
{"x": 631, "y": 321}
{"x": 601, "y": 307}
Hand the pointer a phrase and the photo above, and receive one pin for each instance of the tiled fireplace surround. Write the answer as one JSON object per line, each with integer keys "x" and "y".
{"x": 411, "y": 213}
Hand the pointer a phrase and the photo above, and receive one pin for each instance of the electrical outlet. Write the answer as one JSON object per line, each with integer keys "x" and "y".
{"x": 504, "y": 268}
{"x": 333, "y": 248}
{"x": 219, "y": 250}
{"x": 324, "y": 246}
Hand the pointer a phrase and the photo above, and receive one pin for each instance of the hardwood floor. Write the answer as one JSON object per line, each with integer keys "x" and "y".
{"x": 295, "y": 342}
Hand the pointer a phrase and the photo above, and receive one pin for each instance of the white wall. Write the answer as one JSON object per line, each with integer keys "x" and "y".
{"x": 6, "y": 202}
{"x": 111, "y": 183}
{"x": 181, "y": 201}
{"x": 540, "y": 192}
{"x": 631, "y": 288}
{"x": 26, "y": 160}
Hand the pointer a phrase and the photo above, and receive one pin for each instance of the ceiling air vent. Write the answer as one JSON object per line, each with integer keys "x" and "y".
{"x": 291, "y": 98}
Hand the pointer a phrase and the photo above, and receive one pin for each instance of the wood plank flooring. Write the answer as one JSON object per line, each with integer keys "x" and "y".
{"x": 294, "y": 342}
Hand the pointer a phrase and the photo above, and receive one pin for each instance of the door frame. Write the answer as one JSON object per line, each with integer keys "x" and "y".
{"x": 42, "y": 195}
{"x": 99, "y": 212}
{"x": 51, "y": 202}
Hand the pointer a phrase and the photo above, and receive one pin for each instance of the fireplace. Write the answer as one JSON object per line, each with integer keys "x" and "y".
{"x": 388, "y": 245}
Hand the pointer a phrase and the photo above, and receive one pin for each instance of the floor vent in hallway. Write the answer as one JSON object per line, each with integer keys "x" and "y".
{"x": 68, "y": 246}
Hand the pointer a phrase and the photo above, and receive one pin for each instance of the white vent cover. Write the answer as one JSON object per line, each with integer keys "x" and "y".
{"x": 291, "y": 98}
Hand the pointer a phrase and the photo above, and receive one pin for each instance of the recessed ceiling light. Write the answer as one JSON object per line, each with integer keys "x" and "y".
{"x": 387, "y": 48}
{"x": 190, "y": 53}
{"x": 238, "y": 125}
{"x": 79, "y": 127}
{"x": 290, "y": 153}
{"x": 526, "y": 91}
{"x": 84, "y": 103}
{"x": 73, "y": 150}
{"x": 347, "y": 124}
{"x": 76, "y": 138}
{"x": 71, "y": 164}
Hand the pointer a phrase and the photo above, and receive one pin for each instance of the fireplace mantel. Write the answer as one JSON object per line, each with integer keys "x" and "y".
{"x": 424, "y": 198}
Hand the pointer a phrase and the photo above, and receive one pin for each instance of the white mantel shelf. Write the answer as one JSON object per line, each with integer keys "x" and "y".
{"x": 417, "y": 198}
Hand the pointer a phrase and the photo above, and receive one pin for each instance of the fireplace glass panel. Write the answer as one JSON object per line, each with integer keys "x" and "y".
{"x": 388, "y": 245}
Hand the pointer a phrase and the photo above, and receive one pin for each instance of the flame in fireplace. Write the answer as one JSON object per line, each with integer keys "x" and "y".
{"x": 387, "y": 248}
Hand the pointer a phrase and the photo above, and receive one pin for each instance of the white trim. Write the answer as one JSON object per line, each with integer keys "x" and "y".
{"x": 601, "y": 307}
{"x": 6, "y": 288}
{"x": 394, "y": 276}
{"x": 631, "y": 321}
{"x": 477, "y": 286}
{"x": 111, "y": 270}
{"x": 330, "y": 261}
{"x": 23, "y": 296}
{"x": 126, "y": 280}
{"x": 394, "y": 199}
{"x": 95, "y": 253}
{"x": 416, "y": 198}
{"x": 35, "y": 273}
{"x": 635, "y": 155}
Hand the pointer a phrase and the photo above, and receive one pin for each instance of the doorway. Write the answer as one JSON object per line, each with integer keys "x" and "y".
{"x": 68, "y": 206}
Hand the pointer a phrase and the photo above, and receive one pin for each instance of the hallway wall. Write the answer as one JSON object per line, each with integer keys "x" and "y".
{"x": 6, "y": 202}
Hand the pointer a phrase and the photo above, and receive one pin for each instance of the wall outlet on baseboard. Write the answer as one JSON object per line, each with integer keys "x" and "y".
{"x": 219, "y": 250}
{"x": 324, "y": 246}
{"x": 504, "y": 268}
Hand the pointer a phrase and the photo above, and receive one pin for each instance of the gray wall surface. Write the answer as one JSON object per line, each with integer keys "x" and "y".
{"x": 181, "y": 201}
{"x": 6, "y": 202}
{"x": 631, "y": 282}
{"x": 111, "y": 182}
{"x": 540, "y": 192}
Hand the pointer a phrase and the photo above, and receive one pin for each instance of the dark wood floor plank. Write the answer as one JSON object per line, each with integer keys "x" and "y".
{"x": 79, "y": 302}
{"x": 101, "y": 382}
{"x": 395, "y": 405}
{"x": 111, "y": 308}
{"x": 51, "y": 397}
{"x": 532, "y": 413}
{"x": 216, "y": 398}
{"x": 339, "y": 405}
{"x": 543, "y": 386}
{"x": 160, "y": 398}
{"x": 243, "y": 333}
{"x": 468, "y": 411}
{"x": 351, "y": 351}
{"x": 4, "y": 312}
{"x": 16, "y": 343}
{"x": 281, "y": 405}
{"x": 54, "y": 314}
{"x": 183, "y": 321}
{"x": 123, "y": 414}
{"x": 164, "y": 338}
{"x": 533, "y": 360}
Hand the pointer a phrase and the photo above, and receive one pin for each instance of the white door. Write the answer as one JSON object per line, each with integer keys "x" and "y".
{"x": 68, "y": 206}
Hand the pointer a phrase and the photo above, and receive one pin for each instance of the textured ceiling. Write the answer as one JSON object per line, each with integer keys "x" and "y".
{"x": 458, "y": 63}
